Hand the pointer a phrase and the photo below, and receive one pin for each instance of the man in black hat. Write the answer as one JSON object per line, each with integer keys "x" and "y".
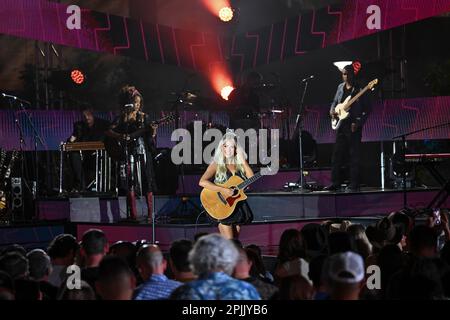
{"x": 385, "y": 232}
{"x": 348, "y": 138}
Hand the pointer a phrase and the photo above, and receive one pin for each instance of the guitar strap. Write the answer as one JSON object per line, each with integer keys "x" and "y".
{"x": 342, "y": 99}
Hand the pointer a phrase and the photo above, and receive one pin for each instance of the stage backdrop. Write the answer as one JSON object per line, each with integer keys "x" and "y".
{"x": 388, "y": 119}
{"x": 316, "y": 29}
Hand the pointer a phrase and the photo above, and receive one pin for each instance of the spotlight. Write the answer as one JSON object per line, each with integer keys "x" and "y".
{"x": 226, "y": 14}
{"x": 77, "y": 76}
{"x": 341, "y": 64}
{"x": 225, "y": 92}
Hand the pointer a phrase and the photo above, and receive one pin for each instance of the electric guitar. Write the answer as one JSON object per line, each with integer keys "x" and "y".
{"x": 2, "y": 162}
{"x": 115, "y": 147}
{"x": 6, "y": 175}
{"x": 217, "y": 205}
{"x": 343, "y": 109}
{"x": 2, "y": 183}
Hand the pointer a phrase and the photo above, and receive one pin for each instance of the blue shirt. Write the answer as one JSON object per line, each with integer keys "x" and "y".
{"x": 158, "y": 287}
{"x": 217, "y": 286}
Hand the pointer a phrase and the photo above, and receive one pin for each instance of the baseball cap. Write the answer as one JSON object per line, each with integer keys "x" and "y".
{"x": 346, "y": 267}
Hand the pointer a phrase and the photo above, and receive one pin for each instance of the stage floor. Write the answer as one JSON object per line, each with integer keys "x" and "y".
{"x": 276, "y": 206}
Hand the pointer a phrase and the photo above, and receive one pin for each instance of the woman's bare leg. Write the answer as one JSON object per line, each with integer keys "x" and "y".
{"x": 226, "y": 231}
{"x": 236, "y": 231}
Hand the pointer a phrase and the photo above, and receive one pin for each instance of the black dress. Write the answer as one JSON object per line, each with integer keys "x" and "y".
{"x": 242, "y": 214}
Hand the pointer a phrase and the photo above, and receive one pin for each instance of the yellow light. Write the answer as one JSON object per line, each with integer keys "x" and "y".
{"x": 226, "y": 14}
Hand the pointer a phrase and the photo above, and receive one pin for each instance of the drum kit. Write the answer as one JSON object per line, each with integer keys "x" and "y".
{"x": 273, "y": 108}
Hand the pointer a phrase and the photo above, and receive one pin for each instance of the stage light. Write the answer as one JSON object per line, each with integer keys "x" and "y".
{"x": 341, "y": 64}
{"x": 221, "y": 80}
{"x": 226, "y": 91}
{"x": 226, "y": 14}
{"x": 77, "y": 76}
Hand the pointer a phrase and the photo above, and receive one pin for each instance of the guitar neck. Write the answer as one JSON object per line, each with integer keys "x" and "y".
{"x": 359, "y": 94}
{"x": 249, "y": 181}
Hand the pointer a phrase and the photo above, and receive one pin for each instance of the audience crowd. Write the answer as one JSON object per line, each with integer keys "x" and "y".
{"x": 398, "y": 257}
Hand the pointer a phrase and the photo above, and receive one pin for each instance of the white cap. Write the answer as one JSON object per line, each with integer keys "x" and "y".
{"x": 347, "y": 267}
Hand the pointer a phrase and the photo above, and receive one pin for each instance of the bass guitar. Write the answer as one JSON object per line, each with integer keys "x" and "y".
{"x": 343, "y": 109}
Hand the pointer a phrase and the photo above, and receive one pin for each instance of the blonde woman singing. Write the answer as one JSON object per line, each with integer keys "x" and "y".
{"x": 229, "y": 159}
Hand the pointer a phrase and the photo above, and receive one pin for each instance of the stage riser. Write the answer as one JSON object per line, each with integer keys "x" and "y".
{"x": 88, "y": 209}
{"x": 264, "y": 235}
{"x": 265, "y": 207}
{"x": 30, "y": 236}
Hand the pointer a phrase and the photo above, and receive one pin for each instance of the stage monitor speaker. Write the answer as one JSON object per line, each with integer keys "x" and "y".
{"x": 16, "y": 193}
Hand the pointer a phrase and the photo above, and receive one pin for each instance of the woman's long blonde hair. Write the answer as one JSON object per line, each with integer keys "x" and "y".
{"x": 221, "y": 161}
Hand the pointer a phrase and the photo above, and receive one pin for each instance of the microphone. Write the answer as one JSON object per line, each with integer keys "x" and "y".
{"x": 9, "y": 96}
{"x": 159, "y": 155}
{"x": 308, "y": 78}
{"x": 4, "y": 95}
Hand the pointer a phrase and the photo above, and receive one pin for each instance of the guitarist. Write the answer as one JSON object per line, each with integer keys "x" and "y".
{"x": 348, "y": 137}
{"x": 134, "y": 129}
{"x": 229, "y": 159}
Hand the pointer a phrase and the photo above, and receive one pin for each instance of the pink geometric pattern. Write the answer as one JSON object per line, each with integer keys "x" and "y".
{"x": 46, "y": 21}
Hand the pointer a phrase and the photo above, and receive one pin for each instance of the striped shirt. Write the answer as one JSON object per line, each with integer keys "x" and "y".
{"x": 158, "y": 287}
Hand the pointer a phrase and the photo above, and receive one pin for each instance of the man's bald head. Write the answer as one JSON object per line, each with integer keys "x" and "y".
{"x": 150, "y": 260}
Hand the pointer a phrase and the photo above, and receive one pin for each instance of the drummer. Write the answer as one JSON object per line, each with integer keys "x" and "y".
{"x": 244, "y": 104}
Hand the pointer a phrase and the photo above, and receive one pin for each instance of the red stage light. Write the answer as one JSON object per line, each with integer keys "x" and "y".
{"x": 77, "y": 76}
{"x": 226, "y": 14}
{"x": 226, "y": 91}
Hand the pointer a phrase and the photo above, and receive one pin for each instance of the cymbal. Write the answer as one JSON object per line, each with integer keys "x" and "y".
{"x": 185, "y": 95}
{"x": 271, "y": 112}
{"x": 266, "y": 86}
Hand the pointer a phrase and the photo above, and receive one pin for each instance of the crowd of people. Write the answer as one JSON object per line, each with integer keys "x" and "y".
{"x": 402, "y": 258}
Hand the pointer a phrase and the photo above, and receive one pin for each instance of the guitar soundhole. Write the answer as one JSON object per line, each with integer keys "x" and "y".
{"x": 233, "y": 198}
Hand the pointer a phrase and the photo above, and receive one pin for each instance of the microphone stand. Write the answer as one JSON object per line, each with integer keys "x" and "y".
{"x": 129, "y": 171}
{"x": 36, "y": 138}
{"x": 22, "y": 165}
{"x": 403, "y": 139}
{"x": 299, "y": 125}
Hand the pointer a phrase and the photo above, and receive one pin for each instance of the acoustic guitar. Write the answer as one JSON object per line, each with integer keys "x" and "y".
{"x": 217, "y": 205}
{"x": 343, "y": 109}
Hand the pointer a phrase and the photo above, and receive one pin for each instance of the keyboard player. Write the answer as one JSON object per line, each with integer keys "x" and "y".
{"x": 83, "y": 162}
